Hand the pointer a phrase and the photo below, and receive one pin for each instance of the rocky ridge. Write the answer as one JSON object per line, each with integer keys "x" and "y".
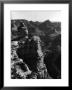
{"x": 35, "y": 49}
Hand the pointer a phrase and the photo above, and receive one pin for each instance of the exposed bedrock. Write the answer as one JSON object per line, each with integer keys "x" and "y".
{"x": 19, "y": 69}
{"x": 32, "y": 55}
{"x": 37, "y": 47}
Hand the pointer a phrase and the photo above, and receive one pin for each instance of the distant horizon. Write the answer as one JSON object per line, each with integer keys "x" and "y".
{"x": 37, "y": 15}
{"x": 38, "y": 21}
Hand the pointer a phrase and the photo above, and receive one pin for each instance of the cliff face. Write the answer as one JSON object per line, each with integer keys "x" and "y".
{"x": 35, "y": 49}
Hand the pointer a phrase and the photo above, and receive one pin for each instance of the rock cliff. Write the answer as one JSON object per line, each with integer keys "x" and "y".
{"x": 35, "y": 49}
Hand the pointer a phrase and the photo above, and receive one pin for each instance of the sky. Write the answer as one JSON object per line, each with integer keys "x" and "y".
{"x": 37, "y": 15}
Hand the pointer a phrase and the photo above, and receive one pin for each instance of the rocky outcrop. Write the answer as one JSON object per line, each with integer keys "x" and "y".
{"x": 32, "y": 54}
{"x": 19, "y": 70}
{"x": 35, "y": 50}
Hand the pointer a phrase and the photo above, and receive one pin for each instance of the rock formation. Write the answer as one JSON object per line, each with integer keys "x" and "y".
{"x": 35, "y": 50}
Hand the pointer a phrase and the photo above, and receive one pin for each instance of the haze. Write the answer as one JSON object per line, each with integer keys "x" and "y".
{"x": 37, "y": 15}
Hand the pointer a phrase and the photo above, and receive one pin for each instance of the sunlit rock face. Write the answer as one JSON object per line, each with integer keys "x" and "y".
{"x": 35, "y": 50}
{"x": 32, "y": 55}
{"x": 19, "y": 70}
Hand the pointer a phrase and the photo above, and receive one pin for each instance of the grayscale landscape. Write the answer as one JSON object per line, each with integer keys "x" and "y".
{"x": 35, "y": 49}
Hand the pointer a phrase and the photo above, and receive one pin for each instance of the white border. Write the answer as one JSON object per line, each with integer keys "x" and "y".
{"x": 64, "y": 41}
